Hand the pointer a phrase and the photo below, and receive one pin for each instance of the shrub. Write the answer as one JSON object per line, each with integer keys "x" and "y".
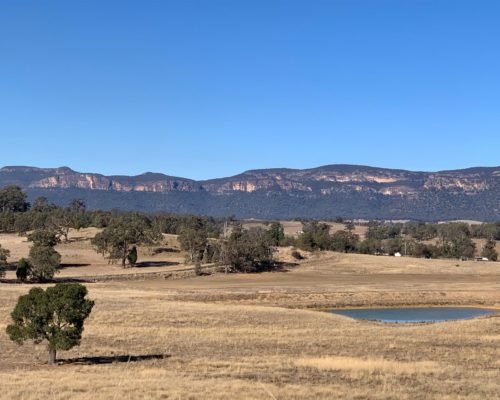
{"x": 23, "y": 270}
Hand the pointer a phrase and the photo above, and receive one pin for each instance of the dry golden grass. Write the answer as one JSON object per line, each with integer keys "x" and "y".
{"x": 293, "y": 228}
{"x": 248, "y": 335}
{"x": 371, "y": 365}
{"x": 226, "y": 351}
{"x": 83, "y": 260}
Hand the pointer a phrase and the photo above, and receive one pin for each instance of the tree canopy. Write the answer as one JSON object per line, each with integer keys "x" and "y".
{"x": 193, "y": 238}
{"x": 4, "y": 254}
{"x": 44, "y": 261}
{"x": 115, "y": 240}
{"x": 55, "y": 315}
{"x": 246, "y": 250}
{"x": 13, "y": 199}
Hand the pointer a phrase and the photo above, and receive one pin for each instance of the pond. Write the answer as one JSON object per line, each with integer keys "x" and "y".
{"x": 414, "y": 315}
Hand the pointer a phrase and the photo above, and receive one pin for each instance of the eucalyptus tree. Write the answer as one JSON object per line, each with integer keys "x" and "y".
{"x": 55, "y": 316}
{"x": 119, "y": 238}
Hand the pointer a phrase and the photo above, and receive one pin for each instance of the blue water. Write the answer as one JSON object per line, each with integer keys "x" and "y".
{"x": 409, "y": 315}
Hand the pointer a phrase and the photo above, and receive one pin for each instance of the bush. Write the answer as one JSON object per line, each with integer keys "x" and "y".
{"x": 132, "y": 256}
{"x": 45, "y": 262}
{"x": 247, "y": 250}
{"x": 4, "y": 253}
{"x": 23, "y": 270}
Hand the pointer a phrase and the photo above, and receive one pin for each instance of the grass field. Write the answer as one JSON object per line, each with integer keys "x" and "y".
{"x": 262, "y": 336}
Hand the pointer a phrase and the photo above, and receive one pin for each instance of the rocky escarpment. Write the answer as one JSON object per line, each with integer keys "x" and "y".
{"x": 66, "y": 178}
{"x": 318, "y": 192}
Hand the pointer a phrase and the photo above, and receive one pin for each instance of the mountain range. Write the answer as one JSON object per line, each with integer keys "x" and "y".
{"x": 348, "y": 191}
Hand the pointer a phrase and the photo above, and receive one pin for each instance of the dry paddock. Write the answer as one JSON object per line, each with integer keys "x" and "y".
{"x": 142, "y": 344}
{"x": 260, "y": 336}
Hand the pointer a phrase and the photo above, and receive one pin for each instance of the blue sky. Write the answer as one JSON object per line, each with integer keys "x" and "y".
{"x": 206, "y": 89}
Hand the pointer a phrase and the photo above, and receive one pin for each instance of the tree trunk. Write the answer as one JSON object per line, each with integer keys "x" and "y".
{"x": 124, "y": 255}
{"x": 52, "y": 356}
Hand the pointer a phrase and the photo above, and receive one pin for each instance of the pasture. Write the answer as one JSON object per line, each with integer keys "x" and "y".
{"x": 261, "y": 336}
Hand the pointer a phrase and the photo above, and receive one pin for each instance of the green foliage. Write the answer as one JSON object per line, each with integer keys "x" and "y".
{"x": 45, "y": 216}
{"x": 371, "y": 246}
{"x": 421, "y": 230}
{"x": 172, "y": 223}
{"x": 81, "y": 218}
{"x": 193, "y": 238}
{"x": 60, "y": 221}
{"x": 43, "y": 238}
{"x": 73, "y": 216}
{"x": 489, "y": 250}
{"x": 422, "y": 250}
{"x": 344, "y": 241}
{"x": 55, "y": 315}
{"x": 455, "y": 241}
{"x": 4, "y": 254}
{"x": 314, "y": 236}
{"x": 7, "y": 221}
{"x": 40, "y": 204}
{"x": 132, "y": 256}
{"x": 486, "y": 231}
{"x": 276, "y": 234}
{"x": 13, "y": 199}
{"x": 77, "y": 206}
{"x": 211, "y": 252}
{"x": 246, "y": 250}
{"x": 393, "y": 246}
{"x": 23, "y": 270}
{"x": 23, "y": 223}
{"x": 122, "y": 232}
{"x": 99, "y": 219}
{"x": 44, "y": 262}
{"x": 380, "y": 231}
{"x": 289, "y": 241}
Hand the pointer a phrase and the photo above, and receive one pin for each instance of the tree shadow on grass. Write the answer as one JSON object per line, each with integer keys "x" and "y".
{"x": 277, "y": 266}
{"x": 73, "y": 265}
{"x": 54, "y": 280}
{"x": 111, "y": 359}
{"x": 145, "y": 264}
{"x": 160, "y": 250}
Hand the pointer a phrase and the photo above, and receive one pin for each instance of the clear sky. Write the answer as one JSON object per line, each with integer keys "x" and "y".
{"x": 210, "y": 88}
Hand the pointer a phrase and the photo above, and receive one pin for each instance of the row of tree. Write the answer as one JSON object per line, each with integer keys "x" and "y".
{"x": 17, "y": 215}
{"x": 427, "y": 231}
{"x": 454, "y": 241}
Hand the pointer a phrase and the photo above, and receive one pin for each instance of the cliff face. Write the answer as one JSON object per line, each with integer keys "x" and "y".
{"x": 337, "y": 187}
{"x": 341, "y": 178}
{"x": 66, "y": 178}
{"x": 119, "y": 184}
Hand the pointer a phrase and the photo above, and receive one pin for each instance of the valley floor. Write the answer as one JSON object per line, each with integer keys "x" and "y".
{"x": 263, "y": 336}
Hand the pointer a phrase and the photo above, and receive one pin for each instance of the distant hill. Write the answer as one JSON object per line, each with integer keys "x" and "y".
{"x": 349, "y": 191}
